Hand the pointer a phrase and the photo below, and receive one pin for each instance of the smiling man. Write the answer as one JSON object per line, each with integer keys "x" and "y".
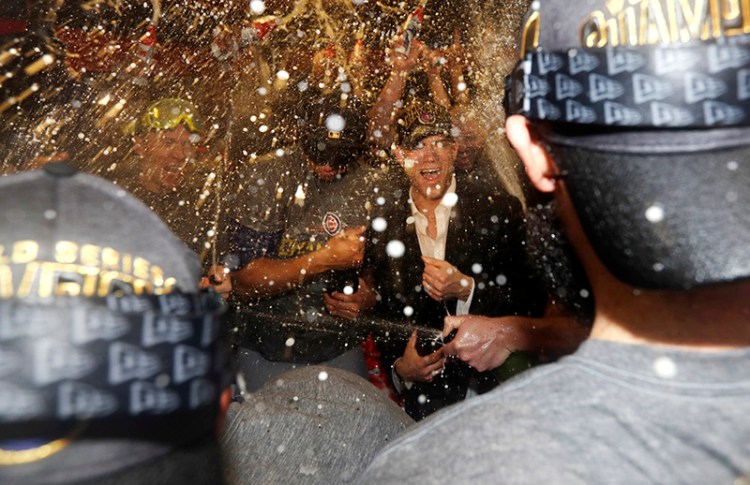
{"x": 462, "y": 252}
{"x": 168, "y": 180}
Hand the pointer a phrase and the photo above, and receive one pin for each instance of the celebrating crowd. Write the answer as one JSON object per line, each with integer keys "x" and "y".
{"x": 287, "y": 308}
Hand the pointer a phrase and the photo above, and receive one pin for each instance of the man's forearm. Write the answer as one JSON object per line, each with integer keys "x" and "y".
{"x": 266, "y": 277}
{"x": 381, "y": 114}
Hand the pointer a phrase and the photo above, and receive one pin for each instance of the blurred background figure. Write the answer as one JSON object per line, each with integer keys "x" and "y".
{"x": 167, "y": 177}
{"x": 296, "y": 243}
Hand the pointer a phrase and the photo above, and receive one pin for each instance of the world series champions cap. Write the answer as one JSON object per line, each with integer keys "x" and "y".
{"x": 104, "y": 336}
{"x": 646, "y": 107}
{"x": 422, "y": 119}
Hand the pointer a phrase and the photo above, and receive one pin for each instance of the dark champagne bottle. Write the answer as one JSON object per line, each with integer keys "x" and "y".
{"x": 346, "y": 282}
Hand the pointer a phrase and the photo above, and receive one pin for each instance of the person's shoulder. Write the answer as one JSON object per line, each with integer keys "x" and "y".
{"x": 487, "y": 436}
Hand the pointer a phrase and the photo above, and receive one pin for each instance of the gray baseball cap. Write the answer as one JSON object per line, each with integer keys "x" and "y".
{"x": 104, "y": 334}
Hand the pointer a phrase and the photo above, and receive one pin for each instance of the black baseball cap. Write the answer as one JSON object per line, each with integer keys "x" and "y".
{"x": 648, "y": 117}
{"x": 334, "y": 129}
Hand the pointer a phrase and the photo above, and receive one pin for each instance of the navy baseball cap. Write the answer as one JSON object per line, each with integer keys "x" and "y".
{"x": 646, "y": 107}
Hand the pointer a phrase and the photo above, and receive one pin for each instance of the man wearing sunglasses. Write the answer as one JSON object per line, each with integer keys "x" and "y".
{"x": 635, "y": 116}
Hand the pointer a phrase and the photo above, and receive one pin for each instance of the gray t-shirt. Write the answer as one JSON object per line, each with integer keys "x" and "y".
{"x": 312, "y": 425}
{"x": 610, "y": 413}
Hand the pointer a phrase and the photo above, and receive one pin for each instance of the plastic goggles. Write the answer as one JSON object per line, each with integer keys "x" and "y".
{"x": 168, "y": 113}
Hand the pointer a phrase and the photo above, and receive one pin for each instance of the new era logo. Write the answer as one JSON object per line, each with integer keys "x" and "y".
{"x": 602, "y": 87}
{"x": 743, "y": 84}
{"x": 17, "y": 322}
{"x": 581, "y": 61}
{"x": 189, "y": 363}
{"x": 663, "y": 114}
{"x": 650, "y": 88}
{"x": 148, "y": 398}
{"x": 726, "y": 57}
{"x": 175, "y": 304}
{"x": 159, "y": 329}
{"x": 565, "y": 87}
{"x": 210, "y": 331}
{"x": 547, "y": 110}
{"x": 577, "y": 113}
{"x": 538, "y": 87}
{"x": 56, "y": 361}
{"x": 94, "y": 323}
{"x": 77, "y": 400}
{"x": 18, "y": 404}
{"x": 699, "y": 87}
{"x": 617, "y": 114}
{"x": 550, "y": 63}
{"x": 128, "y": 362}
{"x": 9, "y": 362}
{"x": 128, "y": 304}
{"x": 622, "y": 60}
{"x": 674, "y": 60}
{"x": 716, "y": 113}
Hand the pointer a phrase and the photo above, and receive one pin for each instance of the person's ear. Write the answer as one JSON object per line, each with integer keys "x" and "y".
{"x": 540, "y": 167}
{"x": 224, "y": 401}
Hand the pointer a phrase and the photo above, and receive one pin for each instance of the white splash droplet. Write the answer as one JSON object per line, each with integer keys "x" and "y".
{"x": 379, "y": 224}
{"x": 282, "y": 75}
{"x": 450, "y": 199}
{"x": 395, "y": 249}
{"x": 665, "y": 367}
{"x": 257, "y": 6}
{"x": 335, "y": 122}
{"x": 655, "y": 214}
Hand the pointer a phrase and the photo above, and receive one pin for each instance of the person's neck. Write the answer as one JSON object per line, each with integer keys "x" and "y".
{"x": 705, "y": 319}
{"x": 710, "y": 318}
{"x": 424, "y": 205}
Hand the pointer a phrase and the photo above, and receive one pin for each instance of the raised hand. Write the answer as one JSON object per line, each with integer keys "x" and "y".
{"x": 443, "y": 281}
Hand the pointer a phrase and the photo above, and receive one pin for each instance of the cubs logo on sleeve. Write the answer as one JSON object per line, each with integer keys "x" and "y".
{"x": 332, "y": 223}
